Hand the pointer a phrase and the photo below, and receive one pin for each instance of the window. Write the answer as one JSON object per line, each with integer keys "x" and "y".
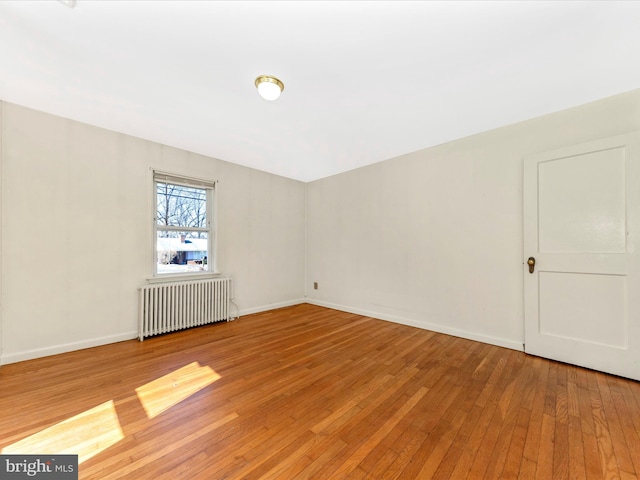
{"x": 183, "y": 224}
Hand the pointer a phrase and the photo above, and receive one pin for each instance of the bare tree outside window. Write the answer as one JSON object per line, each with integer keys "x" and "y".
{"x": 182, "y": 228}
{"x": 180, "y": 206}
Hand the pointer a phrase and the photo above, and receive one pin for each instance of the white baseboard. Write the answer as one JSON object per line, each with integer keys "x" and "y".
{"x": 271, "y": 306}
{"x": 64, "y": 348}
{"x": 95, "y": 342}
{"x": 434, "y": 327}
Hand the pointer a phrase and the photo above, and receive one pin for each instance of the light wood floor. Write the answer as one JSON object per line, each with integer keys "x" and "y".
{"x": 308, "y": 392}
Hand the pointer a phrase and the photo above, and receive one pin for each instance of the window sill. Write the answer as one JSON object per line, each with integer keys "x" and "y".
{"x": 182, "y": 277}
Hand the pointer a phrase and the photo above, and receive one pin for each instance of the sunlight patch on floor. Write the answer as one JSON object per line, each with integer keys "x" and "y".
{"x": 95, "y": 430}
{"x": 85, "y": 434}
{"x": 163, "y": 393}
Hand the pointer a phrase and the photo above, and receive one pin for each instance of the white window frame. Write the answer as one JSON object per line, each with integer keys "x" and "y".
{"x": 210, "y": 186}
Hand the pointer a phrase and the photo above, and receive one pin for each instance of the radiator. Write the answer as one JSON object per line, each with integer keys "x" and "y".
{"x": 167, "y": 307}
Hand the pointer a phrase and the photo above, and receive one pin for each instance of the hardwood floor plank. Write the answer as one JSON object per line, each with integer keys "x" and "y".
{"x": 576, "y": 450}
{"x": 382, "y": 465}
{"x": 510, "y": 408}
{"x": 573, "y": 405}
{"x": 627, "y": 476}
{"x": 608, "y": 464}
{"x": 513, "y": 459}
{"x": 354, "y": 460}
{"x": 441, "y": 448}
{"x": 527, "y": 469}
{"x": 475, "y": 443}
{"x": 630, "y": 432}
{"x": 544, "y": 468}
{"x": 561, "y": 449}
{"x": 433, "y": 427}
{"x": 534, "y": 430}
{"x": 306, "y": 392}
{"x": 562, "y": 397}
{"x": 622, "y": 454}
{"x": 593, "y": 468}
{"x": 551, "y": 393}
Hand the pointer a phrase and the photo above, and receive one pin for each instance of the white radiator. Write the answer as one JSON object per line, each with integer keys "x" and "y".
{"x": 166, "y": 307}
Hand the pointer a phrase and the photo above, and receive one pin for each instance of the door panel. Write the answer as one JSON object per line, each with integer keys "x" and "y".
{"x": 588, "y": 308}
{"x": 582, "y": 203}
{"x": 581, "y": 208}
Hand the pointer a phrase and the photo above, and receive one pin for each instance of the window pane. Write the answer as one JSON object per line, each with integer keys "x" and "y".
{"x": 182, "y": 252}
{"x": 180, "y": 206}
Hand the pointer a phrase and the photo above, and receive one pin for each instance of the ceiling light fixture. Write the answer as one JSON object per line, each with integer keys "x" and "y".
{"x": 68, "y": 3}
{"x": 269, "y": 87}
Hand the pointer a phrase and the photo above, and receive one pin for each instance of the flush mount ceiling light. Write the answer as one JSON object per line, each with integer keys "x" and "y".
{"x": 68, "y": 3}
{"x": 269, "y": 87}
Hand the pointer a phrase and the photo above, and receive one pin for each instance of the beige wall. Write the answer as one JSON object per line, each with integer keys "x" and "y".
{"x": 76, "y": 231}
{"x": 434, "y": 238}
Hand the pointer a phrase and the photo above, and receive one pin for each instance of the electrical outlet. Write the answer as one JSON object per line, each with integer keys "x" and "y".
{"x": 315, "y": 285}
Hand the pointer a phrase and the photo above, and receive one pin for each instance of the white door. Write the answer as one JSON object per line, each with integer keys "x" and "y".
{"x": 581, "y": 225}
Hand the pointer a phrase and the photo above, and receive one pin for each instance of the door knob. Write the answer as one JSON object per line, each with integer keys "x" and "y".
{"x": 532, "y": 264}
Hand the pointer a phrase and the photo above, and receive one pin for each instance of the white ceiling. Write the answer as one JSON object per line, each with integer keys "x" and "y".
{"x": 364, "y": 81}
